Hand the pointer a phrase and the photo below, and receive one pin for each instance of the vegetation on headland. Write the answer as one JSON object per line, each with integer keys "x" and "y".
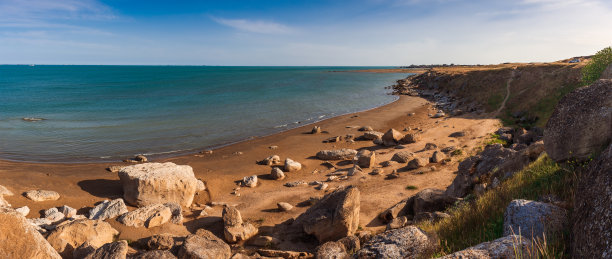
{"x": 596, "y": 66}
{"x": 480, "y": 219}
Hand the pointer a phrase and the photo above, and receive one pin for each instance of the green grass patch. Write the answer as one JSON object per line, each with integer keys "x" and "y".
{"x": 495, "y": 139}
{"x": 596, "y": 66}
{"x": 411, "y": 187}
{"x": 480, "y": 219}
{"x": 457, "y": 152}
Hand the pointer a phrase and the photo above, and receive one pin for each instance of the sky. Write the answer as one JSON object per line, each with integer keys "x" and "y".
{"x": 301, "y": 33}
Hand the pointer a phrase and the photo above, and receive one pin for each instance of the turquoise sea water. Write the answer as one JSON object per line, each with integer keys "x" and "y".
{"x": 106, "y": 113}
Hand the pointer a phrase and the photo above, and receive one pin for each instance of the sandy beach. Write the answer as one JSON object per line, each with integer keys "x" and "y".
{"x": 83, "y": 185}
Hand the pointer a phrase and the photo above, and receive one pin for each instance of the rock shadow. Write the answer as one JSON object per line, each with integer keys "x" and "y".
{"x": 103, "y": 188}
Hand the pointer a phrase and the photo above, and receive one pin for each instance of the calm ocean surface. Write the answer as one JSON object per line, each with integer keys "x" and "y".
{"x": 106, "y": 113}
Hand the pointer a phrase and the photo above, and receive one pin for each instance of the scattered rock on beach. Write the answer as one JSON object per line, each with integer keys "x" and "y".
{"x": 392, "y": 137}
{"x": 42, "y": 195}
{"x": 295, "y": 184}
{"x": 154, "y": 183}
{"x": 284, "y": 254}
{"x": 19, "y": 239}
{"x": 402, "y": 156}
{"x": 283, "y": 206}
{"x": 366, "y": 158}
{"x": 430, "y": 146}
{"x": 204, "y": 244}
{"x": 249, "y": 181}
{"x": 331, "y": 250}
{"x": 335, "y": 216}
{"x": 277, "y": 174}
{"x": 25, "y": 210}
{"x": 411, "y": 138}
{"x": 141, "y": 158}
{"x": 66, "y": 237}
{"x": 114, "y": 168}
{"x": 292, "y": 166}
{"x": 234, "y": 229}
{"x": 148, "y": 216}
{"x": 366, "y": 128}
{"x": 416, "y": 163}
{"x": 108, "y": 209}
{"x": 338, "y": 154}
{"x": 315, "y": 130}
{"x": 388, "y": 163}
{"x": 372, "y": 135}
{"x": 271, "y": 160}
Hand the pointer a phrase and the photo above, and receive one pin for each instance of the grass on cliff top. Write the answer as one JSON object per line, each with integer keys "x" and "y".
{"x": 477, "y": 220}
{"x": 596, "y": 66}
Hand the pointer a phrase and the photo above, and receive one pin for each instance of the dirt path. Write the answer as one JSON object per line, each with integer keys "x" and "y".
{"x": 503, "y": 104}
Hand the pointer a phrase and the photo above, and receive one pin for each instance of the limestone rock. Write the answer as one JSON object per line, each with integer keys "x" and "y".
{"x": 160, "y": 242}
{"x": 5, "y": 192}
{"x": 335, "y": 216}
{"x": 155, "y": 254}
{"x": 19, "y": 239}
{"x": 407, "y": 242}
{"x": 66, "y": 237}
{"x": 68, "y": 211}
{"x": 114, "y": 168}
{"x": 4, "y": 203}
{"x": 234, "y": 229}
{"x": 389, "y": 163}
{"x": 339, "y": 154}
{"x": 114, "y": 250}
{"x": 372, "y": 135}
{"x": 398, "y": 222}
{"x": 430, "y": 146}
{"x": 366, "y": 158}
{"x": 271, "y": 160}
{"x": 355, "y": 170}
{"x": 249, "y": 181}
{"x": 285, "y": 254}
{"x": 25, "y": 210}
{"x": 392, "y": 137}
{"x": 505, "y": 247}
{"x": 535, "y": 149}
{"x": 581, "y": 124}
{"x": 402, "y": 156}
{"x": 177, "y": 212}
{"x": 54, "y": 215}
{"x": 411, "y": 138}
{"x": 204, "y": 245}
{"x": 83, "y": 250}
{"x": 366, "y": 128}
{"x": 283, "y": 206}
{"x": 108, "y": 209}
{"x": 292, "y": 166}
{"x": 533, "y": 218}
{"x": 427, "y": 200}
{"x": 331, "y": 250}
{"x": 315, "y": 130}
{"x": 437, "y": 157}
{"x": 154, "y": 183}
{"x": 42, "y": 195}
{"x": 592, "y": 216}
{"x": 264, "y": 241}
{"x": 149, "y": 216}
{"x": 277, "y": 174}
{"x": 416, "y": 163}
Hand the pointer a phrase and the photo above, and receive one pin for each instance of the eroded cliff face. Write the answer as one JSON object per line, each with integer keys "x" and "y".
{"x": 522, "y": 93}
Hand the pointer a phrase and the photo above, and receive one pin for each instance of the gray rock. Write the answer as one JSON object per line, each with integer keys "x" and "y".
{"x": 430, "y": 146}
{"x": 411, "y": 138}
{"x": 114, "y": 250}
{"x": 148, "y": 216}
{"x": 25, "y": 210}
{"x": 355, "y": 170}
{"x": 160, "y": 242}
{"x": 332, "y": 250}
{"x": 581, "y": 124}
{"x": 249, "y": 181}
{"x": 505, "y": 247}
{"x": 108, "y": 209}
{"x": 271, "y": 160}
{"x": 402, "y": 156}
{"x": 296, "y": 184}
{"x": 407, "y": 242}
{"x": 533, "y": 219}
{"x": 68, "y": 211}
{"x": 277, "y": 174}
{"x": 42, "y": 195}
{"x": 234, "y": 229}
{"x": 457, "y": 134}
{"x": 176, "y": 212}
{"x": 339, "y": 154}
{"x": 416, "y": 163}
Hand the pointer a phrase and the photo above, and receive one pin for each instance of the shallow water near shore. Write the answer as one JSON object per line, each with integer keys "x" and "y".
{"x": 106, "y": 113}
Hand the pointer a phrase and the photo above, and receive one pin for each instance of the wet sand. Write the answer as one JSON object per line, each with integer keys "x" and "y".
{"x": 83, "y": 185}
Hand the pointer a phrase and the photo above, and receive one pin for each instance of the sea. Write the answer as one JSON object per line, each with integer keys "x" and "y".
{"x": 76, "y": 113}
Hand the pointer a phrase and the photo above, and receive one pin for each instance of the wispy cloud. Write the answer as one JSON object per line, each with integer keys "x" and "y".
{"x": 40, "y": 13}
{"x": 256, "y": 26}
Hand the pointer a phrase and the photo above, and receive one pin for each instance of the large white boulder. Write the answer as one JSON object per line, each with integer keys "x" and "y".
{"x": 19, "y": 239}
{"x": 154, "y": 183}
{"x": 67, "y": 237}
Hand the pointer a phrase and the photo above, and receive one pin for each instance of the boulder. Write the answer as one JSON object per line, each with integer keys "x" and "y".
{"x": 534, "y": 150}
{"x": 83, "y": 250}
{"x": 114, "y": 250}
{"x": 494, "y": 162}
{"x": 581, "y": 124}
{"x": 407, "y": 242}
{"x": 398, "y": 222}
{"x": 148, "y": 216}
{"x": 402, "y": 156}
{"x": 42, "y": 195}
{"x": 19, "y": 239}
{"x": 54, "y": 215}
{"x": 533, "y": 219}
{"x": 592, "y": 216}
{"x": 427, "y": 200}
{"x": 315, "y": 130}
{"x": 430, "y": 146}
{"x": 335, "y": 216}
{"x": 154, "y": 183}
{"x": 283, "y": 206}
{"x": 141, "y": 158}
{"x": 160, "y": 242}
{"x": 108, "y": 209}
{"x": 68, "y": 211}
{"x": 411, "y": 138}
{"x": 505, "y": 247}
{"x": 204, "y": 245}
{"x": 389, "y": 163}
{"x": 338, "y": 154}
{"x": 416, "y": 163}
{"x": 372, "y": 135}
{"x": 271, "y": 160}
{"x": 392, "y": 137}
{"x": 66, "y": 237}
{"x": 155, "y": 254}
{"x": 249, "y": 181}
{"x": 234, "y": 229}
{"x": 331, "y": 250}
{"x": 292, "y": 166}
{"x": 437, "y": 157}
{"x": 366, "y": 158}
{"x": 277, "y": 174}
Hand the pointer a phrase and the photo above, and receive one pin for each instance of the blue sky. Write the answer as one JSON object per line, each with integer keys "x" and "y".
{"x": 292, "y": 32}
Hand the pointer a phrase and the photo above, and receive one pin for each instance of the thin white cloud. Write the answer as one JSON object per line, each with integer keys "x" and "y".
{"x": 256, "y": 26}
{"x": 22, "y": 13}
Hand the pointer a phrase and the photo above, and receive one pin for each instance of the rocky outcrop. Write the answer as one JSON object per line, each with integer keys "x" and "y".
{"x": 154, "y": 183}
{"x": 533, "y": 219}
{"x": 148, "y": 216}
{"x": 494, "y": 162}
{"x": 592, "y": 217}
{"x": 114, "y": 250}
{"x": 426, "y": 201}
{"x": 365, "y": 158}
{"x": 19, "y": 239}
{"x": 292, "y": 166}
{"x": 407, "y": 242}
{"x": 65, "y": 238}
{"x": 392, "y": 137}
{"x": 234, "y": 229}
{"x": 335, "y": 216}
{"x": 505, "y": 247}
{"x": 108, "y": 209}
{"x": 339, "y": 154}
{"x": 42, "y": 195}
{"x": 204, "y": 245}
{"x": 581, "y": 124}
